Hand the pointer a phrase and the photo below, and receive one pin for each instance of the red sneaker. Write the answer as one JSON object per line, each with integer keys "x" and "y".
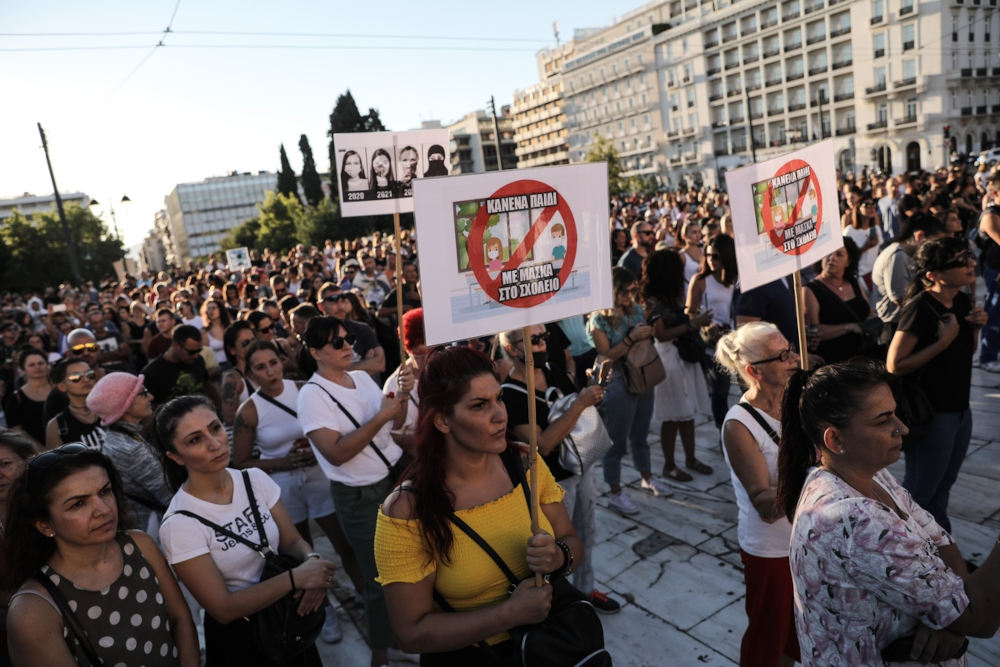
{"x": 603, "y": 603}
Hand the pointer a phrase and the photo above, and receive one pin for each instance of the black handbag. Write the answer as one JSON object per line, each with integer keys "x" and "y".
{"x": 912, "y": 407}
{"x": 280, "y": 631}
{"x": 571, "y": 635}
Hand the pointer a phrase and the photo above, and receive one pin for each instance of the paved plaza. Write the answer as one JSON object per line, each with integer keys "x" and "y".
{"x": 675, "y": 566}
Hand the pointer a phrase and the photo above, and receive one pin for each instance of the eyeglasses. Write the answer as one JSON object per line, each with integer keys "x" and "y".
{"x": 535, "y": 338}
{"x": 48, "y": 459}
{"x": 783, "y": 357}
{"x": 963, "y": 259}
{"x": 337, "y": 342}
{"x": 77, "y": 377}
{"x": 334, "y": 298}
{"x": 84, "y": 347}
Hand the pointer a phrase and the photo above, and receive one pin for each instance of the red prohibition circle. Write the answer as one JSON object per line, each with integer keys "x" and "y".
{"x": 776, "y": 238}
{"x": 491, "y": 286}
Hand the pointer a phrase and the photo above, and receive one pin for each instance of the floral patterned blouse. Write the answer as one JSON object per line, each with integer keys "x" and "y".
{"x": 863, "y": 576}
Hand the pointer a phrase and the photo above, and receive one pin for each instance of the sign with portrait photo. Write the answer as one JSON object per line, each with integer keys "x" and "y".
{"x": 785, "y": 213}
{"x": 376, "y": 170}
{"x": 512, "y": 248}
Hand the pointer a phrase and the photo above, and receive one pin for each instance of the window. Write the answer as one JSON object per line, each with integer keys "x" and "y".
{"x": 910, "y": 68}
{"x": 911, "y": 107}
{"x": 878, "y": 44}
{"x": 909, "y": 33}
{"x": 878, "y": 8}
{"x": 882, "y": 112}
{"x": 793, "y": 39}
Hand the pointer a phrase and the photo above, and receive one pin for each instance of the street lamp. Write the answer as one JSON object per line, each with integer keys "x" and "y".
{"x": 95, "y": 208}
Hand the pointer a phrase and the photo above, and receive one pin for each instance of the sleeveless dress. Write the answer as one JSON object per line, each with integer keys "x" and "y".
{"x": 834, "y": 310}
{"x": 126, "y": 622}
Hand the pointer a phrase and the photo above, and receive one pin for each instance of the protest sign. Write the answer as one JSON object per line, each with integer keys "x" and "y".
{"x": 377, "y": 169}
{"x": 504, "y": 250}
{"x": 785, "y": 213}
{"x": 238, "y": 259}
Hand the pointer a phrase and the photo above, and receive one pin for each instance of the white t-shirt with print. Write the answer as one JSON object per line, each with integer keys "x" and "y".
{"x": 184, "y": 537}
{"x": 317, "y": 411}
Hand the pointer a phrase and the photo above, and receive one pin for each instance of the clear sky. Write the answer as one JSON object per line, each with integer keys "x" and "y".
{"x": 128, "y": 119}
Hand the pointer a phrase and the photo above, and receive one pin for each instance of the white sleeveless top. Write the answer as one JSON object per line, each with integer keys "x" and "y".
{"x": 757, "y": 537}
{"x": 690, "y": 267}
{"x": 217, "y": 346}
{"x": 719, "y": 299}
{"x": 277, "y": 430}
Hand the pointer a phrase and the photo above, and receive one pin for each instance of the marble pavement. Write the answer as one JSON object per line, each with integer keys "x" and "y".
{"x": 675, "y": 566}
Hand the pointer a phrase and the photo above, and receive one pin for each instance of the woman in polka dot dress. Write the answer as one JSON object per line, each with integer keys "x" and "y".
{"x": 64, "y": 526}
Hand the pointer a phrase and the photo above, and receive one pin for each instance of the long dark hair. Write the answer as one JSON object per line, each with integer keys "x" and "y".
{"x": 444, "y": 380}
{"x": 344, "y": 178}
{"x": 814, "y": 400}
{"x": 662, "y": 278}
{"x": 931, "y": 256}
{"x": 165, "y": 428}
{"x": 726, "y": 247}
{"x": 318, "y": 333}
{"x": 26, "y": 549}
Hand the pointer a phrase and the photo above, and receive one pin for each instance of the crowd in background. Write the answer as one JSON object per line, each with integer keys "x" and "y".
{"x": 292, "y": 369}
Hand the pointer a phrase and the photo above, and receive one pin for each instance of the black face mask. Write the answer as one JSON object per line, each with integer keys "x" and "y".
{"x": 539, "y": 358}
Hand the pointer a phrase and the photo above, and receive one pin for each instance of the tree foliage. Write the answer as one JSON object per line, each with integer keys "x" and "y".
{"x": 603, "y": 150}
{"x": 33, "y": 250}
{"x": 287, "y": 183}
{"x": 345, "y": 117}
{"x": 311, "y": 185}
{"x": 283, "y": 221}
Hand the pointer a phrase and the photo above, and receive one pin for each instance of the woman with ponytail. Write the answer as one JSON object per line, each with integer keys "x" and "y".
{"x": 876, "y": 578}
{"x": 933, "y": 346}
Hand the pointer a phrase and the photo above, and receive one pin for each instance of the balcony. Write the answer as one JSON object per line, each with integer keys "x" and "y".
{"x": 809, "y": 9}
{"x": 733, "y": 93}
{"x": 767, "y": 23}
{"x": 878, "y": 125}
{"x": 877, "y": 19}
{"x": 905, "y": 83}
{"x": 778, "y": 142}
{"x": 750, "y": 59}
{"x": 812, "y": 39}
{"x": 842, "y": 63}
{"x": 981, "y": 110}
{"x": 996, "y": 71}
{"x": 796, "y": 106}
{"x": 673, "y": 133}
{"x": 793, "y": 47}
{"x": 840, "y": 97}
{"x": 966, "y": 111}
{"x": 966, "y": 72}
{"x": 995, "y": 108}
{"x": 843, "y": 30}
{"x": 718, "y": 123}
{"x": 712, "y": 71}
{"x": 904, "y": 11}
{"x": 877, "y": 88}
{"x": 686, "y": 79}
{"x": 771, "y": 53}
{"x": 980, "y": 71}
{"x": 733, "y": 64}
{"x": 775, "y": 111}
{"x": 792, "y": 76}
{"x": 908, "y": 45}
{"x": 674, "y": 159}
{"x": 879, "y": 53}
{"x": 906, "y": 120}
{"x": 819, "y": 69}
{"x": 711, "y": 43}
{"x": 754, "y": 115}
{"x": 715, "y": 96}
{"x": 790, "y": 15}
{"x": 844, "y": 131}
{"x": 753, "y": 86}
{"x": 721, "y": 151}
{"x": 774, "y": 82}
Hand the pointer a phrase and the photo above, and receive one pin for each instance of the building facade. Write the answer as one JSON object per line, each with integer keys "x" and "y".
{"x": 539, "y": 120}
{"x": 199, "y": 215}
{"x": 29, "y": 203}
{"x": 688, "y": 89}
{"x": 473, "y": 147}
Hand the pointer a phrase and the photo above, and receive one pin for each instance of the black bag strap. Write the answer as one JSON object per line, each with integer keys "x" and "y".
{"x": 259, "y": 548}
{"x": 70, "y": 618}
{"x": 276, "y": 403}
{"x": 760, "y": 420}
{"x": 356, "y": 424}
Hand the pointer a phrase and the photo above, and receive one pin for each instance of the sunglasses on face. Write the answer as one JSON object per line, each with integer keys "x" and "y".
{"x": 334, "y": 298}
{"x": 536, "y": 338}
{"x": 337, "y": 342}
{"x": 783, "y": 357}
{"x": 195, "y": 352}
{"x": 265, "y": 330}
{"x": 77, "y": 377}
{"x": 962, "y": 260}
{"x": 46, "y": 460}
{"x": 85, "y": 347}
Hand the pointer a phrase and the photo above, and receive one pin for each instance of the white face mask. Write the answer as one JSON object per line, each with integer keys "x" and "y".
{"x": 492, "y": 253}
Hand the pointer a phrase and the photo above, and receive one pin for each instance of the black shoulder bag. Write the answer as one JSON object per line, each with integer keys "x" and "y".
{"x": 76, "y": 630}
{"x": 280, "y": 631}
{"x": 760, "y": 420}
{"x": 571, "y": 635}
{"x": 394, "y": 470}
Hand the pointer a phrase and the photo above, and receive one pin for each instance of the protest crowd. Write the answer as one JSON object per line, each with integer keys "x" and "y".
{"x": 160, "y": 429}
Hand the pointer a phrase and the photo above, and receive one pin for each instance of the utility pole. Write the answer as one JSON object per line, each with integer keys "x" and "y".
{"x": 74, "y": 265}
{"x": 753, "y": 143}
{"x": 496, "y": 133}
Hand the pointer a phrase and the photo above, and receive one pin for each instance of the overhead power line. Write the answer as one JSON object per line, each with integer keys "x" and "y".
{"x": 251, "y": 33}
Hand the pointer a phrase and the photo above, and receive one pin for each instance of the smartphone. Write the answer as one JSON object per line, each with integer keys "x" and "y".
{"x": 59, "y": 308}
{"x": 604, "y": 372}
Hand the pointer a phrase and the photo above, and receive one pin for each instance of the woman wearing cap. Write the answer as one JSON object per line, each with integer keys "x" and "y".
{"x": 64, "y": 528}
{"x": 122, "y": 402}
{"x": 77, "y": 423}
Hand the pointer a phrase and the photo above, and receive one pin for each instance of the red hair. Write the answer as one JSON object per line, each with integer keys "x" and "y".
{"x": 413, "y": 329}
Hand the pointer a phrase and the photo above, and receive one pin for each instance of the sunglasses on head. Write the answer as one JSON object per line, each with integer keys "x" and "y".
{"x": 48, "y": 459}
{"x": 338, "y": 341}
{"x": 84, "y": 347}
{"x": 77, "y": 377}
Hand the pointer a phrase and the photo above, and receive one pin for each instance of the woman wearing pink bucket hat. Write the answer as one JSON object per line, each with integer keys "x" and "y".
{"x": 123, "y": 403}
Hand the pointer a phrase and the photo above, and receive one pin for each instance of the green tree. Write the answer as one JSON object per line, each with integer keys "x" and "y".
{"x": 278, "y": 216}
{"x": 34, "y": 253}
{"x": 345, "y": 117}
{"x": 311, "y": 184}
{"x": 243, "y": 236}
{"x": 603, "y": 150}
{"x": 287, "y": 183}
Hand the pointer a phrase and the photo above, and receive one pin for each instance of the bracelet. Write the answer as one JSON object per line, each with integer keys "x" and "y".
{"x": 292, "y": 578}
{"x": 567, "y": 564}
{"x": 313, "y": 554}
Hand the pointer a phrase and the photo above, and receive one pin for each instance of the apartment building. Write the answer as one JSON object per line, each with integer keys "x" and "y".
{"x": 473, "y": 143}
{"x": 539, "y": 119}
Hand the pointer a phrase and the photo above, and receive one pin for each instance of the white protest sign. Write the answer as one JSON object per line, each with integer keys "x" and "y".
{"x": 504, "y": 250}
{"x": 238, "y": 259}
{"x": 377, "y": 169}
{"x": 785, "y": 213}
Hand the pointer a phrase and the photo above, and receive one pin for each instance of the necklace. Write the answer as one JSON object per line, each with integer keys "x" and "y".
{"x": 829, "y": 281}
